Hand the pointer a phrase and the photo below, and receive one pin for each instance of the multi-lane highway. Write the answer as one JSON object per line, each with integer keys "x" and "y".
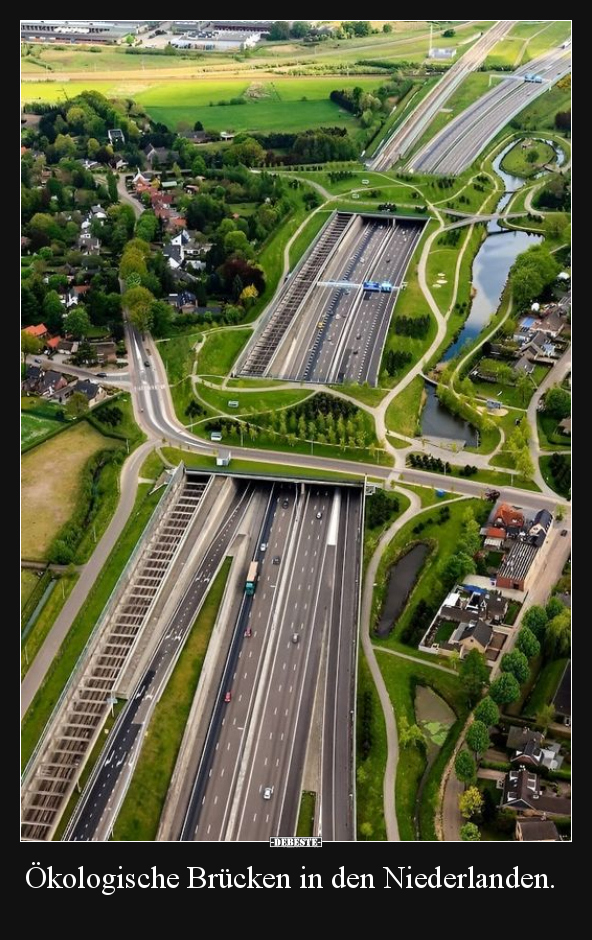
{"x": 408, "y": 133}
{"x": 97, "y": 809}
{"x": 248, "y": 781}
{"x": 342, "y": 328}
{"x": 462, "y": 140}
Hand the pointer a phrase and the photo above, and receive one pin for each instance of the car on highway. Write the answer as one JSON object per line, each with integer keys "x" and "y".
{"x": 248, "y": 632}
{"x": 285, "y": 503}
{"x": 146, "y": 363}
{"x": 319, "y": 515}
{"x": 492, "y": 495}
{"x": 263, "y": 547}
{"x": 359, "y": 336}
{"x": 276, "y": 560}
{"x": 564, "y": 532}
{"x": 227, "y": 697}
{"x": 38, "y": 361}
{"x": 101, "y": 375}
{"x": 267, "y": 793}
{"x": 295, "y": 637}
{"x": 388, "y": 261}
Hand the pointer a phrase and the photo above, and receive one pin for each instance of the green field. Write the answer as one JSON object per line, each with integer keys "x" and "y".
{"x": 35, "y": 429}
{"x": 199, "y": 461}
{"x": 403, "y": 413}
{"x": 545, "y": 687}
{"x": 217, "y": 355}
{"x": 289, "y": 104}
{"x": 29, "y": 581}
{"x": 250, "y": 403}
{"x": 371, "y": 765}
{"x": 306, "y": 815}
{"x": 540, "y": 114}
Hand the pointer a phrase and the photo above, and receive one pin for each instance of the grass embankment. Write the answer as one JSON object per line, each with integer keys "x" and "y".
{"x": 32, "y": 643}
{"x": 63, "y": 665}
{"x": 29, "y": 581}
{"x": 404, "y": 411}
{"x": 495, "y": 477}
{"x": 401, "y": 678}
{"x": 140, "y": 814}
{"x": 427, "y": 494}
{"x": 306, "y": 816}
{"x": 307, "y": 235}
{"x": 250, "y": 403}
{"x": 545, "y": 687}
{"x": 207, "y": 463}
{"x": 371, "y": 747}
{"x": 362, "y": 393}
{"x": 372, "y": 535}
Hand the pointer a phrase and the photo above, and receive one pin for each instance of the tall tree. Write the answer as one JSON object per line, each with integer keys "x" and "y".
{"x": 536, "y": 620}
{"x": 470, "y": 833}
{"x": 465, "y": 767}
{"x": 544, "y": 717}
{"x": 487, "y": 711}
{"x": 77, "y": 322}
{"x": 504, "y": 689}
{"x": 470, "y": 803}
{"x": 558, "y": 636}
{"x": 528, "y": 644}
{"x": 30, "y": 345}
{"x": 517, "y": 664}
{"x": 77, "y": 405}
{"x": 478, "y": 738}
{"x": 474, "y": 674}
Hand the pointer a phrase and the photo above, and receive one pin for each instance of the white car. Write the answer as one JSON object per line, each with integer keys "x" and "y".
{"x": 263, "y": 547}
{"x": 267, "y": 793}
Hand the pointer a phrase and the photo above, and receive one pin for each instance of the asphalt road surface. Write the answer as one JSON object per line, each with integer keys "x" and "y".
{"x": 408, "y": 133}
{"x": 343, "y": 329}
{"x": 463, "y": 139}
{"x": 98, "y": 806}
{"x": 258, "y": 739}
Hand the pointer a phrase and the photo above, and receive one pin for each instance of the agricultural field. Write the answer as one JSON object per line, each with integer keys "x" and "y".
{"x": 50, "y": 484}
{"x": 37, "y": 425}
{"x": 526, "y": 41}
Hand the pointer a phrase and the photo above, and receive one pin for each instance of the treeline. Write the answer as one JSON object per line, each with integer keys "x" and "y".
{"x": 395, "y": 360}
{"x": 417, "y": 327}
{"x": 380, "y": 508}
{"x": 560, "y": 467}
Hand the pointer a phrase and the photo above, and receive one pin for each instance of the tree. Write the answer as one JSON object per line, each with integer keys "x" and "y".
{"x": 536, "y": 620}
{"x": 456, "y": 568}
{"x": 478, "y": 738}
{"x": 470, "y": 833}
{"x": 161, "y": 313}
{"x": 505, "y": 374}
{"x": 300, "y": 29}
{"x": 470, "y": 803}
{"x": 411, "y": 735}
{"x": 30, "y": 345}
{"x": 465, "y": 767}
{"x": 474, "y": 674}
{"x": 198, "y": 126}
{"x": 524, "y": 464}
{"x": 505, "y": 689}
{"x": 555, "y": 224}
{"x": 524, "y": 387}
{"x": 237, "y": 242}
{"x": 77, "y": 322}
{"x": 554, "y": 607}
{"x": 77, "y": 405}
{"x": 487, "y": 711}
{"x": 516, "y": 663}
{"x": 248, "y": 152}
{"x": 248, "y": 296}
{"x": 532, "y": 156}
{"x": 558, "y": 636}
{"x": 112, "y": 186}
{"x": 528, "y": 644}
{"x": 544, "y": 717}
{"x": 279, "y": 31}
{"x": 366, "y": 830}
{"x": 387, "y": 28}
{"x": 558, "y": 403}
{"x": 138, "y": 302}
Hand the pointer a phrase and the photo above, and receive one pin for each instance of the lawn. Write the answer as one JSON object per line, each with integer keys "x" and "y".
{"x": 250, "y": 403}
{"x": 556, "y": 33}
{"x": 51, "y": 485}
{"x": 178, "y": 355}
{"x": 527, "y": 161}
{"x": 36, "y": 428}
{"x": 546, "y": 686}
{"x": 563, "y": 488}
{"x": 292, "y": 104}
{"x": 427, "y": 494}
{"x": 495, "y": 477}
{"x": 140, "y": 814}
{"x": 362, "y": 393}
{"x": 510, "y": 395}
{"x": 306, "y": 816}
{"x": 200, "y": 461}
{"x": 403, "y": 413}
{"x": 217, "y": 355}
{"x": 64, "y": 663}
{"x": 443, "y": 540}
{"x": 401, "y": 677}
{"x": 46, "y": 618}
{"x": 370, "y": 757}
{"x": 550, "y": 438}
{"x": 29, "y": 581}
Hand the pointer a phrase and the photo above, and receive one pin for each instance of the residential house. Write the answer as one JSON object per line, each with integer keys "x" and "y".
{"x": 198, "y": 137}
{"x": 522, "y": 791}
{"x": 105, "y": 351}
{"x": 52, "y": 344}
{"x": 527, "y": 746}
{"x": 494, "y": 537}
{"x": 119, "y": 163}
{"x": 539, "y": 347}
{"x": 565, "y": 426}
{"x": 87, "y": 244}
{"x": 174, "y": 222}
{"x": 33, "y": 376}
{"x": 144, "y": 177}
{"x": 116, "y": 136}
{"x": 540, "y": 526}
{"x": 473, "y": 635}
{"x": 523, "y": 364}
{"x": 50, "y": 383}
{"x": 182, "y": 238}
{"x": 97, "y": 212}
{"x": 516, "y": 565}
{"x": 184, "y": 301}
{"x": 531, "y": 829}
{"x": 67, "y": 346}
{"x": 75, "y": 294}
{"x": 162, "y": 155}
{"x": 159, "y": 199}
{"x": 174, "y": 255}
{"x": 469, "y": 614}
{"x": 552, "y": 320}
{"x": 40, "y": 331}
{"x": 90, "y": 390}
{"x": 509, "y": 517}
{"x": 87, "y": 164}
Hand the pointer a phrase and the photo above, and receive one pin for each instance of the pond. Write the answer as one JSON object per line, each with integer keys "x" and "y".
{"x": 438, "y": 421}
{"x": 401, "y": 581}
{"x": 435, "y": 718}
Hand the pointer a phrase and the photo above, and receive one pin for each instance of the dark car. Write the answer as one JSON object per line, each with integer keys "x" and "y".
{"x": 101, "y": 375}
{"x": 146, "y": 363}
{"x": 286, "y": 503}
{"x": 276, "y": 560}
{"x": 564, "y": 532}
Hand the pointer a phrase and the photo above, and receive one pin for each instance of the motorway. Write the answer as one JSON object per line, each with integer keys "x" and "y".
{"x": 463, "y": 139}
{"x": 343, "y": 328}
{"x": 104, "y": 793}
{"x": 408, "y": 133}
{"x": 259, "y": 738}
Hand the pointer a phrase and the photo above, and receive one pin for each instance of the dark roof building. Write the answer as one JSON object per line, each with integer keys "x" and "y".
{"x": 87, "y": 388}
{"x": 531, "y": 829}
{"x": 522, "y": 791}
{"x": 526, "y": 745}
{"x": 516, "y": 565}
{"x": 562, "y": 699}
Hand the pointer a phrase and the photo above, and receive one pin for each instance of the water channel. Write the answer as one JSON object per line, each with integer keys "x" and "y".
{"x": 402, "y": 577}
